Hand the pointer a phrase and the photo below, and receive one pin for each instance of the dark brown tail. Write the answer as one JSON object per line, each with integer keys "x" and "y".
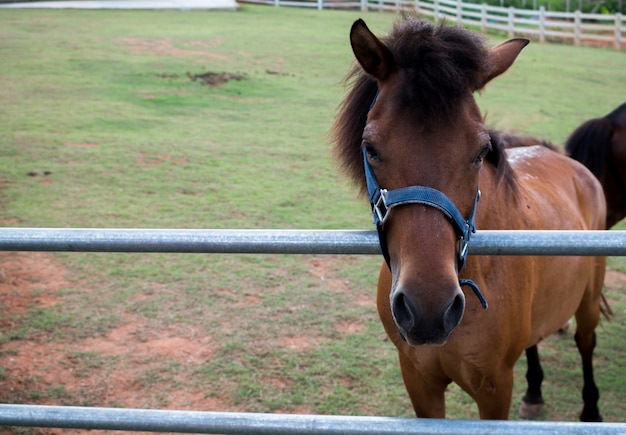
{"x": 605, "y": 308}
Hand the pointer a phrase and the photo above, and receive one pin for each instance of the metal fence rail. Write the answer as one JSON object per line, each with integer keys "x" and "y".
{"x": 285, "y": 242}
{"x": 234, "y": 241}
{"x": 277, "y": 424}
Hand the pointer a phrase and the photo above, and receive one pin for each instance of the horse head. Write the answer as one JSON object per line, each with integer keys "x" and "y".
{"x": 423, "y": 146}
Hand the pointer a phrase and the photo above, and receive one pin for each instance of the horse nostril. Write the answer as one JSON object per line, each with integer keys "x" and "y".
{"x": 431, "y": 324}
{"x": 404, "y": 311}
{"x": 454, "y": 313}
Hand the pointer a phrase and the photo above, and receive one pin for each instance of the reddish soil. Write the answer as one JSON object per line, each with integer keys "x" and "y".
{"x": 167, "y": 47}
{"x": 33, "y": 279}
{"x": 30, "y": 280}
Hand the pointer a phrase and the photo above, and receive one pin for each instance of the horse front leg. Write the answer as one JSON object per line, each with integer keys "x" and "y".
{"x": 494, "y": 396}
{"x": 427, "y": 395}
{"x": 586, "y": 344}
{"x": 532, "y": 403}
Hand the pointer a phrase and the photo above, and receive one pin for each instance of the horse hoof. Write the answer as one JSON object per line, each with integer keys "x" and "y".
{"x": 591, "y": 417}
{"x": 530, "y": 411}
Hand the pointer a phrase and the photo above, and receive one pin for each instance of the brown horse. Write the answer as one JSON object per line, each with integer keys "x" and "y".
{"x": 410, "y": 133}
{"x": 600, "y": 145}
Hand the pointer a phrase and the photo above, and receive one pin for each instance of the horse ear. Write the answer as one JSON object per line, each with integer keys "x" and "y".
{"x": 502, "y": 57}
{"x": 373, "y": 56}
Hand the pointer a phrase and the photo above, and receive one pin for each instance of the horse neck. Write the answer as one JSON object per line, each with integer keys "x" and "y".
{"x": 615, "y": 194}
{"x": 614, "y": 177}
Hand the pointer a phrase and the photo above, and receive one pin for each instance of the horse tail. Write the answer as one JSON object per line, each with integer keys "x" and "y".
{"x": 590, "y": 144}
{"x": 605, "y": 308}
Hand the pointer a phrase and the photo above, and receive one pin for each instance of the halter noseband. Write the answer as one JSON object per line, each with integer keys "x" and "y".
{"x": 383, "y": 200}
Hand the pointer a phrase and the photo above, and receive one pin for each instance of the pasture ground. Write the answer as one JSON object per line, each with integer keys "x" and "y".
{"x": 125, "y": 366}
{"x": 105, "y": 128}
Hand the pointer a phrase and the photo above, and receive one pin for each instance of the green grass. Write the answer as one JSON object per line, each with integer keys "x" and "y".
{"x": 101, "y": 100}
{"x": 555, "y": 88}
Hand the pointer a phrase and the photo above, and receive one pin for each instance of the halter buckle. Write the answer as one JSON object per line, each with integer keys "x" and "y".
{"x": 380, "y": 208}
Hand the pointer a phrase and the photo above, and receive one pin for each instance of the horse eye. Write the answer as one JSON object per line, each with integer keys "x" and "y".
{"x": 483, "y": 153}
{"x": 371, "y": 152}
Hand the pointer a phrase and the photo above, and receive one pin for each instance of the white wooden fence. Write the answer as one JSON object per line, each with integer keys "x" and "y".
{"x": 569, "y": 27}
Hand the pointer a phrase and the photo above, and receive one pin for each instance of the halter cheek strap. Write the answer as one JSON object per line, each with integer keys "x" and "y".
{"x": 383, "y": 200}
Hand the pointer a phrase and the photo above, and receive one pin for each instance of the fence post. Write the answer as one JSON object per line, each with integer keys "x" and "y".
{"x": 577, "y": 27}
{"x": 320, "y": 4}
{"x": 618, "y": 31}
{"x": 417, "y": 7}
{"x": 483, "y": 18}
{"x": 542, "y": 24}
{"x": 511, "y": 22}
{"x": 436, "y": 11}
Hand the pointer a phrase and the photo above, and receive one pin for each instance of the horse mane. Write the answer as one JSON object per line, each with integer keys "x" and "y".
{"x": 500, "y": 141}
{"x": 441, "y": 63}
{"x": 510, "y": 140}
{"x": 590, "y": 144}
{"x": 616, "y": 114}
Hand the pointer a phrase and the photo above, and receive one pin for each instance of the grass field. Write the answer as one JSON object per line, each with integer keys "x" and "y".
{"x": 101, "y": 126}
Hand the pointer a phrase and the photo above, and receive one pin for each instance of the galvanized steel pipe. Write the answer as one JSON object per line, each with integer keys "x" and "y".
{"x": 240, "y": 241}
{"x": 277, "y": 424}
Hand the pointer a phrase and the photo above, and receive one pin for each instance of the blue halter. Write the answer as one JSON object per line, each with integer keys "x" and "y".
{"x": 383, "y": 200}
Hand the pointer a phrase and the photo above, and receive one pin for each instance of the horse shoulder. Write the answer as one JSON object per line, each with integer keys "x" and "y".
{"x": 554, "y": 188}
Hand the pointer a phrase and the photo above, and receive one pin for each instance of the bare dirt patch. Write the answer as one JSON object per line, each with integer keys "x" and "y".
{"x": 167, "y": 47}
{"x": 614, "y": 278}
{"x": 210, "y": 78}
{"x": 297, "y": 343}
{"x": 119, "y": 368}
{"x": 147, "y": 160}
{"x": 214, "y": 79}
{"x": 26, "y": 279}
{"x": 322, "y": 269}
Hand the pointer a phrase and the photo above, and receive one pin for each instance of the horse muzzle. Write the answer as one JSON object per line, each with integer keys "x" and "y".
{"x": 420, "y": 325}
{"x": 383, "y": 200}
